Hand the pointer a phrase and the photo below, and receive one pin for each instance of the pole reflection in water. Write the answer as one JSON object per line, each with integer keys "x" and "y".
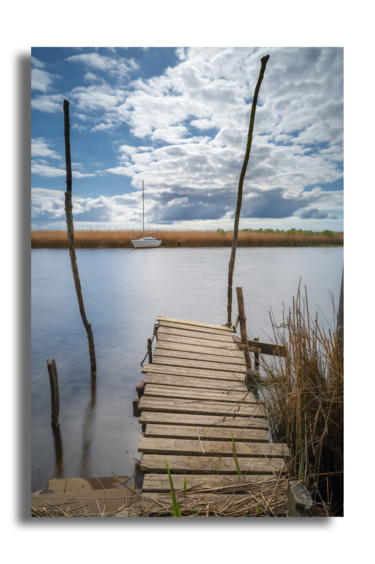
{"x": 59, "y": 466}
{"x": 87, "y": 432}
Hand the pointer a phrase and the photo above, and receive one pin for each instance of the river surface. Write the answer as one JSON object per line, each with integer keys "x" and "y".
{"x": 124, "y": 291}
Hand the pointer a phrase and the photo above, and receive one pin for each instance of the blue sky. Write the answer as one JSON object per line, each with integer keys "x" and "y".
{"x": 177, "y": 119}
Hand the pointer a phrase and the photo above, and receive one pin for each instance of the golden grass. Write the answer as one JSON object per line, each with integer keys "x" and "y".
{"x": 219, "y": 238}
{"x": 303, "y": 395}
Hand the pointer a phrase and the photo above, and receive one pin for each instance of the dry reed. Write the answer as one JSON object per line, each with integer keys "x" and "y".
{"x": 246, "y": 238}
{"x": 303, "y": 398}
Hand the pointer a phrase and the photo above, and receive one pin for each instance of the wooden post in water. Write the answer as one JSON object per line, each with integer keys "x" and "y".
{"x": 54, "y": 384}
{"x": 149, "y": 350}
{"x": 71, "y": 241}
{"x": 264, "y": 61}
{"x": 242, "y": 316}
{"x": 256, "y": 356}
{"x": 340, "y": 315}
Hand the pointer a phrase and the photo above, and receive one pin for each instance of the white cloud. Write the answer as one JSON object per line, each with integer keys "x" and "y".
{"x": 46, "y": 170}
{"x": 96, "y": 97}
{"x": 41, "y": 79}
{"x": 49, "y": 103}
{"x": 47, "y": 205}
{"x": 53, "y": 172}
{"x": 115, "y": 66}
{"x": 40, "y": 148}
{"x": 91, "y": 77}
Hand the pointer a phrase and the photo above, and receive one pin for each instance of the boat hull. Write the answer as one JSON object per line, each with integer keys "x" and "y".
{"x": 146, "y": 243}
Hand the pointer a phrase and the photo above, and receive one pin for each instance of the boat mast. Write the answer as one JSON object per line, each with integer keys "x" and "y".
{"x": 143, "y": 192}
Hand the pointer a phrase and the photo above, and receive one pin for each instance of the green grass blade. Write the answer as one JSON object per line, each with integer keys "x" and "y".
{"x": 235, "y": 456}
{"x": 175, "y": 505}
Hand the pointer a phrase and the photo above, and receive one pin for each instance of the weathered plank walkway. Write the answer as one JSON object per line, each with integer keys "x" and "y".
{"x": 193, "y": 405}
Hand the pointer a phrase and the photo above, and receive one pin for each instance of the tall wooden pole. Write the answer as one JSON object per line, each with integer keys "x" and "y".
{"x": 71, "y": 241}
{"x": 264, "y": 61}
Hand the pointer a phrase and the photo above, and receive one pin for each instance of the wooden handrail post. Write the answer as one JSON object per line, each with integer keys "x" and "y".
{"x": 54, "y": 384}
{"x": 149, "y": 350}
{"x": 242, "y": 317}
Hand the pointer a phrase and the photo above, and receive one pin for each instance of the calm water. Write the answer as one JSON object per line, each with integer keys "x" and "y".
{"x": 124, "y": 291}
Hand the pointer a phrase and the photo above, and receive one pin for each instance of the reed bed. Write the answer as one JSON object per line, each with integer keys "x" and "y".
{"x": 219, "y": 238}
{"x": 303, "y": 395}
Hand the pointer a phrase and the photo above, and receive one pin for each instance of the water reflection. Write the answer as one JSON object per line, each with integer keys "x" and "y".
{"x": 87, "y": 431}
{"x": 59, "y": 458}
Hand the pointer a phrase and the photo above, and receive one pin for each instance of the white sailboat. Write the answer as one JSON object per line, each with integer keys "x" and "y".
{"x": 145, "y": 242}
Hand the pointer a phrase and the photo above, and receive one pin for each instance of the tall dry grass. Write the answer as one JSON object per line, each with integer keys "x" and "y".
{"x": 303, "y": 395}
{"x": 219, "y": 238}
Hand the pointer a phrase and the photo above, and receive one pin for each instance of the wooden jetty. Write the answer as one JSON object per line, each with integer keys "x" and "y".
{"x": 198, "y": 416}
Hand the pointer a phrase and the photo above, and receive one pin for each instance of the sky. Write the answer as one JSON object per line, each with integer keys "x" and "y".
{"x": 176, "y": 121}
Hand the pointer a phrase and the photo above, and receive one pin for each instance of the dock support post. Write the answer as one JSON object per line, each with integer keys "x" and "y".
{"x": 136, "y": 412}
{"x": 149, "y": 350}
{"x": 256, "y": 356}
{"x": 55, "y": 402}
{"x": 242, "y": 317}
{"x": 340, "y": 315}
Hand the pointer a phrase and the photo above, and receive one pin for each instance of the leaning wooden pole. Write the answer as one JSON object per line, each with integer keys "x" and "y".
{"x": 264, "y": 61}
{"x": 71, "y": 241}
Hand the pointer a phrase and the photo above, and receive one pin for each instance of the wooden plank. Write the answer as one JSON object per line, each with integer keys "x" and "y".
{"x": 197, "y": 328}
{"x": 198, "y": 447}
{"x": 165, "y": 336}
{"x": 206, "y": 433}
{"x": 204, "y": 483}
{"x": 170, "y": 361}
{"x": 186, "y": 382}
{"x": 211, "y": 464}
{"x": 161, "y": 392}
{"x": 263, "y": 348}
{"x": 192, "y": 372}
{"x": 196, "y": 334}
{"x": 198, "y": 407}
{"x": 227, "y": 352}
{"x": 195, "y": 323}
{"x": 160, "y": 351}
{"x": 254, "y": 421}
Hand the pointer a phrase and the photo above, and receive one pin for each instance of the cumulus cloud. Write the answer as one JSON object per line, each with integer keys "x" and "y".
{"x": 40, "y": 148}
{"x": 48, "y": 204}
{"x": 48, "y": 103}
{"x": 53, "y": 172}
{"x": 41, "y": 79}
{"x": 117, "y": 66}
{"x": 185, "y": 130}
